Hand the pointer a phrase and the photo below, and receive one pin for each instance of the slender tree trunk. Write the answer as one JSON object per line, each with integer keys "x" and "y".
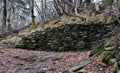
{"x": 4, "y": 17}
{"x": 70, "y": 10}
{"x": 32, "y": 14}
{"x": 9, "y": 28}
{"x": 42, "y": 14}
{"x": 57, "y": 8}
{"x": 108, "y": 2}
{"x": 45, "y": 11}
{"x": 80, "y": 2}
{"x": 76, "y": 7}
{"x": 86, "y": 2}
{"x": 38, "y": 11}
{"x": 9, "y": 24}
{"x": 119, "y": 4}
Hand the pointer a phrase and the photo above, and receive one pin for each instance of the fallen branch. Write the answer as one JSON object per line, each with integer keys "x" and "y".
{"x": 117, "y": 17}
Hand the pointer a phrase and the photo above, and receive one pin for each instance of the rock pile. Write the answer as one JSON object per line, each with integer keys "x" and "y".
{"x": 67, "y": 37}
{"x": 110, "y": 52}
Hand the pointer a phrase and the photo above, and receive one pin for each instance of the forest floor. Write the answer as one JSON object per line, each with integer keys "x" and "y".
{"x": 28, "y": 61}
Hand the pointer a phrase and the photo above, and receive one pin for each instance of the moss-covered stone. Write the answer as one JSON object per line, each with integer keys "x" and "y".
{"x": 66, "y": 37}
{"x": 112, "y": 61}
{"x": 104, "y": 64}
{"x": 105, "y": 54}
{"x": 108, "y": 56}
{"x": 109, "y": 48}
{"x": 82, "y": 71}
{"x": 20, "y": 46}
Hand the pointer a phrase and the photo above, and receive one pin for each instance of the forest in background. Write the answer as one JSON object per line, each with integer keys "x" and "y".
{"x": 19, "y": 13}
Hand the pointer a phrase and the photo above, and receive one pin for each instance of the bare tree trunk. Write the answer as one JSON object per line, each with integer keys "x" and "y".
{"x": 70, "y": 10}
{"x": 107, "y": 2}
{"x": 42, "y": 14}
{"x": 4, "y": 16}
{"x": 32, "y": 14}
{"x": 117, "y": 3}
{"x": 9, "y": 24}
{"x": 87, "y": 2}
{"x": 57, "y": 7}
{"x": 31, "y": 5}
{"x": 9, "y": 28}
{"x": 38, "y": 11}
{"x": 80, "y": 4}
{"x": 46, "y": 12}
{"x": 76, "y": 7}
{"x": 63, "y": 6}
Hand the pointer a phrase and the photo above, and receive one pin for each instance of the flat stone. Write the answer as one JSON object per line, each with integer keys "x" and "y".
{"x": 104, "y": 64}
{"x": 109, "y": 48}
{"x": 112, "y": 61}
{"x": 27, "y": 59}
{"x": 82, "y": 71}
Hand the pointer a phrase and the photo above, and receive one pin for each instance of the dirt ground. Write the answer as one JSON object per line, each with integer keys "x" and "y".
{"x": 28, "y": 61}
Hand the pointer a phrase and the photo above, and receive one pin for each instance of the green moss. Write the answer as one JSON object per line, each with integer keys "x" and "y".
{"x": 61, "y": 49}
{"x": 83, "y": 21}
{"x": 100, "y": 22}
{"x": 33, "y": 22}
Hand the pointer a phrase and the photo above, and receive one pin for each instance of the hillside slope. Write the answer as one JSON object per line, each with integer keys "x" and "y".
{"x": 71, "y": 34}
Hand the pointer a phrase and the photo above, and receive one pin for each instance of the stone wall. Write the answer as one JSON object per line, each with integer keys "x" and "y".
{"x": 68, "y": 37}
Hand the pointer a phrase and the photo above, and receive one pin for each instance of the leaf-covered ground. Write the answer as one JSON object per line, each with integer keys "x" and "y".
{"x": 27, "y": 61}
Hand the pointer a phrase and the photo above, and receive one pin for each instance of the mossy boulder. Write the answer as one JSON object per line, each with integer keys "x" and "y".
{"x": 108, "y": 57}
{"x": 111, "y": 52}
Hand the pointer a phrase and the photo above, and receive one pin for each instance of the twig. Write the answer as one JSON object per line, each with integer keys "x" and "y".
{"x": 117, "y": 16}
